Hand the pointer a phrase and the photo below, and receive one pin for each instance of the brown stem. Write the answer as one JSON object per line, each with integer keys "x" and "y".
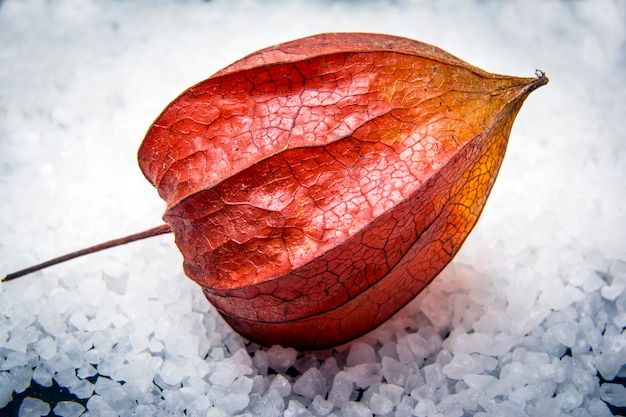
{"x": 155, "y": 231}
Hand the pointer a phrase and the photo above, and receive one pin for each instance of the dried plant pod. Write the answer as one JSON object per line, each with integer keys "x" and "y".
{"x": 315, "y": 187}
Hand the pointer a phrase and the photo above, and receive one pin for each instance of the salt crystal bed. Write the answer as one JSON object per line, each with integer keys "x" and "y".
{"x": 528, "y": 320}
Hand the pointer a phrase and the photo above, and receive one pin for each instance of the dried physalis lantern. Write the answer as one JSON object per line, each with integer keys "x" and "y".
{"x": 315, "y": 187}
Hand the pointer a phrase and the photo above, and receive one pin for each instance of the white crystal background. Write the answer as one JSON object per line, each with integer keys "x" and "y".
{"x": 527, "y": 320}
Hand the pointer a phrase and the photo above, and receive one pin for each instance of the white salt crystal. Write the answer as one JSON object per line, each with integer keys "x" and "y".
{"x": 227, "y": 371}
{"x": 82, "y": 389}
{"x": 617, "y": 270}
{"x": 503, "y": 409}
{"x": 96, "y": 405}
{"x": 481, "y": 343}
{"x": 42, "y": 376}
{"x": 329, "y": 368}
{"x": 217, "y": 354}
{"x": 92, "y": 356}
{"x": 388, "y": 349}
{"x": 423, "y": 392}
{"x": 175, "y": 398}
{"x": 380, "y": 405}
{"x": 142, "y": 393}
{"x": 415, "y": 378}
{"x": 435, "y": 306}
{"x": 611, "y": 292}
{"x": 620, "y": 320}
{"x": 216, "y": 412}
{"x": 280, "y": 359}
{"x": 183, "y": 344}
{"x": 45, "y": 348}
{"x": 585, "y": 382}
{"x": 532, "y": 392}
{"x": 598, "y": 408}
{"x": 92, "y": 289}
{"x": 528, "y": 319}
{"x": 16, "y": 342}
{"x": 593, "y": 283}
{"x": 563, "y": 333}
{"x": 341, "y": 389}
{"x": 102, "y": 344}
{"x": 155, "y": 345}
{"x": 405, "y": 355}
{"x": 296, "y": 409}
{"x": 365, "y": 374}
{"x": 441, "y": 393}
{"x": 260, "y": 362}
{"x": 454, "y": 404}
{"x": 150, "y": 410}
{"x": 241, "y": 385}
{"x": 569, "y": 399}
{"x": 488, "y": 363}
{"x": 481, "y": 296}
{"x": 320, "y": 407}
{"x": 196, "y": 383}
{"x": 33, "y": 407}
{"x": 545, "y": 407}
{"x": 416, "y": 344}
{"x": 479, "y": 382}
{"x": 71, "y": 349}
{"x": 21, "y": 377}
{"x": 6, "y": 389}
{"x": 241, "y": 356}
{"x": 119, "y": 321}
{"x": 113, "y": 393}
{"x": 593, "y": 334}
{"x": 354, "y": 409}
{"x": 68, "y": 409}
{"x": 392, "y": 392}
{"x": 98, "y": 323}
{"x": 20, "y": 338}
{"x": 461, "y": 364}
{"x": 614, "y": 394}
{"x": 368, "y": 393}
{"x": 20, "y": 316}
{"x": 558, "y": 296}
{"x": 29, "y": 335}
{"x": 270, "y": 405}
{"x": 444, "y": 357}
{"x": 232, "y": 403}
{"x": 581, "y": 412}
{"x": 4, "y": 331}
{"x": 405, "y": 409}
{"x": 281, "y": 385}
{"x": 360, "y": 353}
{"x": 66, "y": 377}
{"x": 216, "y": 392}
{"x": 310, "y": 384}
{"x": 434, "y": 375}
{"x": 425, "y": 408}
{"x": 536, "y": 359}
{"x": 609, "y": 363}
{"x": 548, "y": 372}
{"x": 434, "y": 343}
{"x": 110, "y": 363}
{"x": 577, "y": 271}
{"x": 516, "y": 374}
{"x": 86, "y": 370}
{"x": 306, "y": 362}
{"x": 139, "y": 341}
